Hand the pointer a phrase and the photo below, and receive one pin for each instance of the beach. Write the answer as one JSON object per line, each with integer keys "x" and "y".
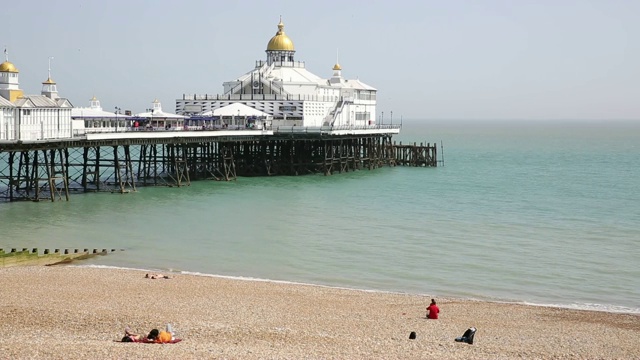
{"x": 69, "y": 312}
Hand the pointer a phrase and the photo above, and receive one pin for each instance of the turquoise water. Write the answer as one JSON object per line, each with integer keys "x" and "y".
{"x": 539, "y": 212}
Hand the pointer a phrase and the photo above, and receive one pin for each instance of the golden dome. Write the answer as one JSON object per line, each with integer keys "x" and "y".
{"x": 280, "y": 41}
{"x": 49, "y": 81}
{"x": 8, "y": 67}
{"x": 337, "y": 67}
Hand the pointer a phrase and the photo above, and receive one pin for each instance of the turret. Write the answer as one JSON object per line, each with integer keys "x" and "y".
{"x": 49, "y": 88}
{"x": 280, "y": 48}
{"x": 337, "y": 72}
{"x": 9, "y": 84}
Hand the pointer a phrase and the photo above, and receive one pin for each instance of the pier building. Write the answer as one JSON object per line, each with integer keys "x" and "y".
{"x": 282, "y": 88}
{"x": 31, "y": 117}
{"x": 94, "y": 119}
{"x": 155, "y": 118}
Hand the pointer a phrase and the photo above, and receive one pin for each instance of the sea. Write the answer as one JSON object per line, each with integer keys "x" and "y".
{"x": 535, "y": 212}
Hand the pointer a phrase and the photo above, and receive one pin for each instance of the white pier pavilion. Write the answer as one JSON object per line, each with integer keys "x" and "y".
{"x": 94, "y": 119}
{"x": 292, "y": 96}
{"x": 155, "y": 118}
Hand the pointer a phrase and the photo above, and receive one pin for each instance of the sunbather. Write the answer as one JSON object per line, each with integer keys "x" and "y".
{"x": 154, "y": 335}
{"x": 156, "y": 276}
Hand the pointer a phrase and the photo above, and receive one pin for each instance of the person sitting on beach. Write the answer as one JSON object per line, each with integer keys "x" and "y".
{"x": 156, "y": 276}
{"x": 432, "y": 310}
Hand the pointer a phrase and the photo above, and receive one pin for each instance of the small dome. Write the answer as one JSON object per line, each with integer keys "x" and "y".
{"x": 49, "y": 82}
{"x": 8, "y": 67}
{"x": 337, "y": 67}
{"x": 280, "y": 41}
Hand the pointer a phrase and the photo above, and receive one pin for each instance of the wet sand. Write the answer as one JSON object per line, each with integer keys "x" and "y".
{"x": 65, "y": 312}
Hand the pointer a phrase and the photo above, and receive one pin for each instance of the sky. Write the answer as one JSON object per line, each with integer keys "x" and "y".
{"x": 491, "y": 59}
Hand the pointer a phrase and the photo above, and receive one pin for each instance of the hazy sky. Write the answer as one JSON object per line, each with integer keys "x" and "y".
{"x": 511, "y": 59}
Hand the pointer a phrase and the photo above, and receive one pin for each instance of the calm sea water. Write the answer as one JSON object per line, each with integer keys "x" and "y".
{"x": 540, "y": 212}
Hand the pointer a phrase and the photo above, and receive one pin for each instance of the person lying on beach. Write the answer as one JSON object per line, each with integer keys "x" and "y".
{"x": 154, "y": 336}
{"x": 156, "y": 276}
{"x": 131, "y": 337}
{"x": 160, "y": 337}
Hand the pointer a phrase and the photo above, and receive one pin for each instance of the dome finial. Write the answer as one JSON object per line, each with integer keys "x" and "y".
{"x": 6, "y": 54}
{"x": 49, "y": 81}
{"x": 337, "y": 65}
{"x": 280, "y": 27}
{"x": 49, "y": 71}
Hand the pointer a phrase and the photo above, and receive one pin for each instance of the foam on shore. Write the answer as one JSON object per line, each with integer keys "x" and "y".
{"x": 575, "y": 306}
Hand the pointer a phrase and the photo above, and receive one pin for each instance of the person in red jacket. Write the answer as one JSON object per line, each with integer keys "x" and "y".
{"x": 433, "y": 310}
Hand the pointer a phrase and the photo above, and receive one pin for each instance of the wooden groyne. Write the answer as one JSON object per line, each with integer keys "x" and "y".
{"x": 34, "y": 257}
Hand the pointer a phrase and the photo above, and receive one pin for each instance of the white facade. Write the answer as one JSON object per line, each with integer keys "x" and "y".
{"x": 31, "y": 117}
{"x": 39, "y": 118}
{"x": 7, "y": 109}
{"x": 284, "y": 89}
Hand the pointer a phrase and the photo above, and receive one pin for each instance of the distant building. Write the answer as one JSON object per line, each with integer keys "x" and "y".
{"x": 291, "y": 95}
{"x": 31, "y": 117}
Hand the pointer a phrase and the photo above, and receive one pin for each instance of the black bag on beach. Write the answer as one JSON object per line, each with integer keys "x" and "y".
{"x": 467, "y": 336}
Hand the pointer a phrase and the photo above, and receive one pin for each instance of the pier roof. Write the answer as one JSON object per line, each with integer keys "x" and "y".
{"x": 84, "y": 112}
{"x": 156, "y": 112}
{"x": 159, "y": 114}
{"x": 353, "y": 84}
{"x": 41, "y": 101}
{"x": 95, "y": 111}
{"x": 5, "y": 103}
{"x": 235, "y": 109}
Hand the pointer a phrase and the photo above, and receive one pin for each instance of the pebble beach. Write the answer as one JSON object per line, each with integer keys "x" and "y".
{"x": 69, "y": 312}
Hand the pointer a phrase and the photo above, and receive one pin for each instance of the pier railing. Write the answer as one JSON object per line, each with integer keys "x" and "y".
{"x": 287, "y": 97}
{"x": 330, "y": 129}
{"x": 216, "y": 127}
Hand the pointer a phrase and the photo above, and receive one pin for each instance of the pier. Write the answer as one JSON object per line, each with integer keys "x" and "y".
{"x": 120, "y": 162}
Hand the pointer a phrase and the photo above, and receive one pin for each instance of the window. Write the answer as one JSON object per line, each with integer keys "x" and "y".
{"x": 363, "y": 116}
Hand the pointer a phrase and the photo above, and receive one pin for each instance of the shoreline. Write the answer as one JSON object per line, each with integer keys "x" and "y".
{"x": 606, "y": 308}
{"x": 77, "y": 312}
